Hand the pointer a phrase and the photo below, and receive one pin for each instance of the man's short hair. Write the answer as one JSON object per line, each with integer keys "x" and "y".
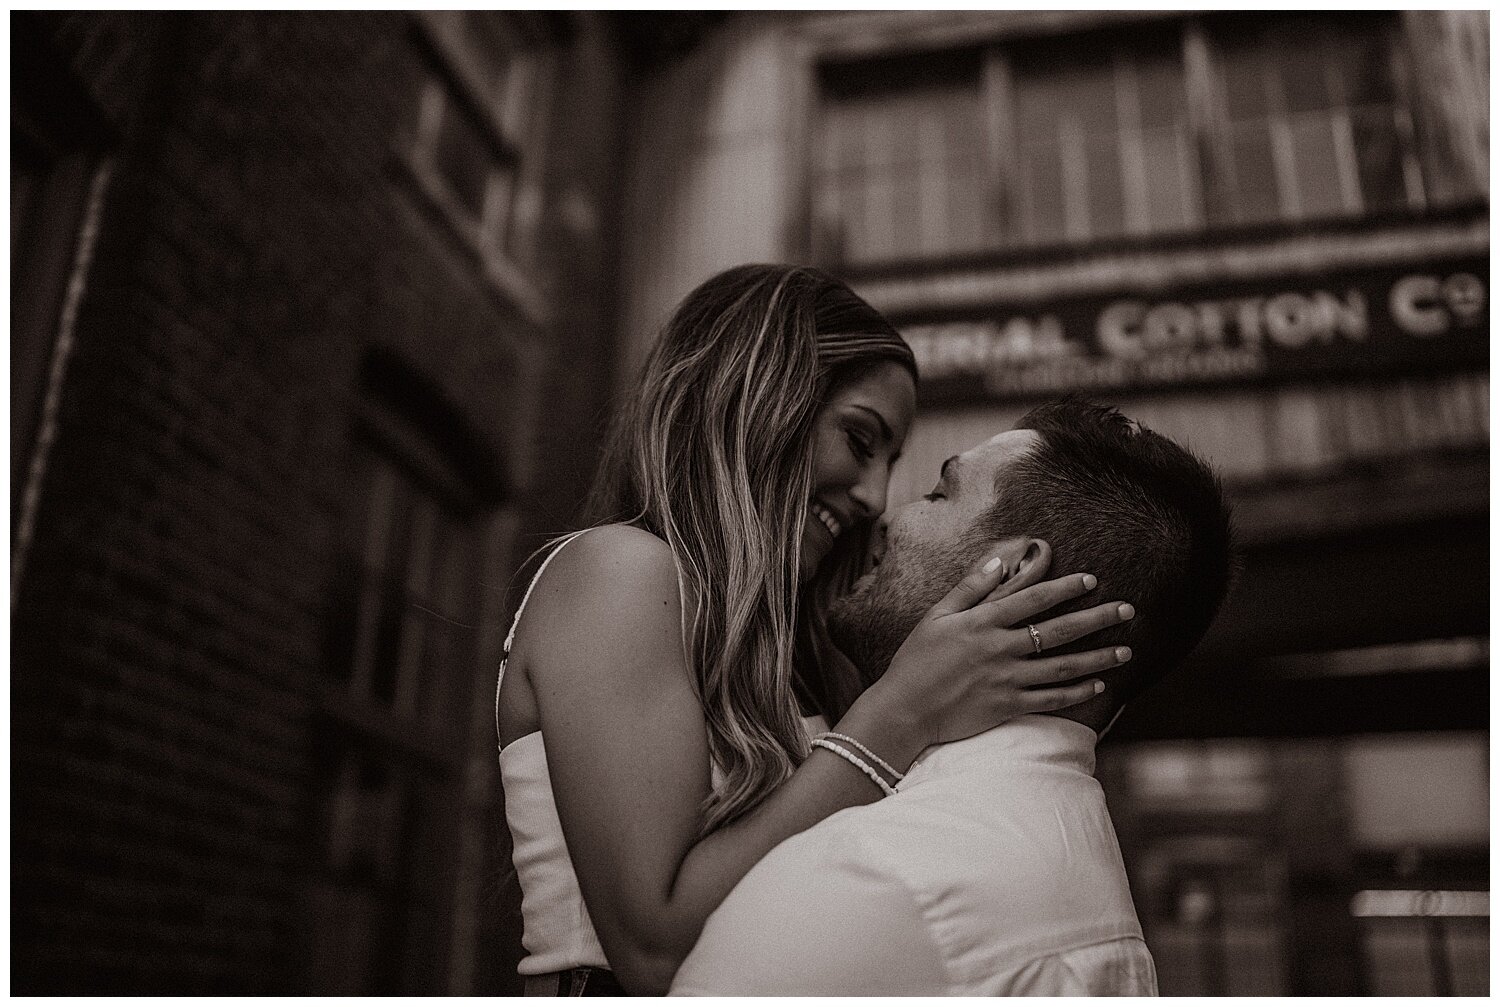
{"x": 1144, "y": 515}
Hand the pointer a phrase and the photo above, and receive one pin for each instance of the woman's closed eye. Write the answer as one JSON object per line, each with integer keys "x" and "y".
{"x": 860, "y": 445}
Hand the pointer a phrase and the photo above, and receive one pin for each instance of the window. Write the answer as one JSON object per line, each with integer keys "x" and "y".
{"x": 402, "y": 594}
{"x": 478, "y": 142}
{"x": 1295, "y": 866}
{"x": 1103, "y": 146}
{"x": 1419, "y": 812}
{"x": 903, "y": 164}
{"x": 1166, "y": 128}
{"x": 409, "y": 637}
{"x": 1313, "y": 125}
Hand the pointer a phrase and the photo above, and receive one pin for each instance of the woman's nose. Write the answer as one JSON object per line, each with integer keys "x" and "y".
{"x": 869, "y": 493}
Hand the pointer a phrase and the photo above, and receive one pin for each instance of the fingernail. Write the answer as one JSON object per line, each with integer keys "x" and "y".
{"x": 1090, "y": 581}
{"x": 1122, "y": 654}
{"x": 992, "y": 565}
{"x": 1098, "y": 688}
{"x": 1127, "y": 611}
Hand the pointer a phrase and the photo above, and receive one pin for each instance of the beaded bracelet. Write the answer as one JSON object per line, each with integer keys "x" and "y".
{"x": 857, "y": 762}
{"x": 897, "y": 774}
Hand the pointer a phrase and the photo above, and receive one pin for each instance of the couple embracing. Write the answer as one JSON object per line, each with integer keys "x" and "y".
{"x": 757, "y": 736}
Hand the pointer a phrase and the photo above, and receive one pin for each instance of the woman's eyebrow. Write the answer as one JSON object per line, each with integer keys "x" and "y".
{"x": 885, "y": 428}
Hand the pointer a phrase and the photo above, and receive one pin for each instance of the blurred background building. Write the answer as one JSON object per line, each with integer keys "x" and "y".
{"x": 316, "y": 319}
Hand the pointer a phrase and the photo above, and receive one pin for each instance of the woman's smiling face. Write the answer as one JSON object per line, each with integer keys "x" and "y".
{"x": 857, "y": 437}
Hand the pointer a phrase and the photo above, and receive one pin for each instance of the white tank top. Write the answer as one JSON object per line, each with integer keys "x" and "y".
{"x": 556, "y": 930}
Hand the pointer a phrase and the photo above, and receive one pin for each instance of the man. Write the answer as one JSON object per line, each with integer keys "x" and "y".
{"x": 994, "y": 870}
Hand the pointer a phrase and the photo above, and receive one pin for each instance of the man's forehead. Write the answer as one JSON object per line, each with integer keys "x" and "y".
{"x": 1001, "y": 449}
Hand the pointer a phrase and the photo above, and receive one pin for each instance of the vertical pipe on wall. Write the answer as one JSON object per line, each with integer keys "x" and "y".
{"x": 31, "y": 491}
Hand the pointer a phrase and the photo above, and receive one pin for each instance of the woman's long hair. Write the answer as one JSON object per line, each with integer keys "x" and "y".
{"x": 713, "y": 454}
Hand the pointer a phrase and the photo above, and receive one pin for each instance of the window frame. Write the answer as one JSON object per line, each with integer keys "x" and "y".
{"x": 415, "y": 892}
{"x": 1207, "y": 143}
{"x": 505, "y": 95}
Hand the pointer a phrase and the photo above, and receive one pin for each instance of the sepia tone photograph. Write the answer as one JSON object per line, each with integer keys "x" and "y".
{"x": 724, "y": 503}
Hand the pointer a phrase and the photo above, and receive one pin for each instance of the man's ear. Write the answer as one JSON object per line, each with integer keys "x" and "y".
{"x": 1034, "y": 562}
{"x": 1026, "y": 561}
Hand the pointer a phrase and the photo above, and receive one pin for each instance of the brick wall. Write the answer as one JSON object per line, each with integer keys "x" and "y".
{"x": 254, "y": 242}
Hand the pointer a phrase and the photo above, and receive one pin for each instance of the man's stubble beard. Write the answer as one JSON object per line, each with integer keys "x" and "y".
{"x": 871, "y": 624}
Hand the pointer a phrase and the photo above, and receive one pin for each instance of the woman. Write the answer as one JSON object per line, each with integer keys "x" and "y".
{"x": 656, "y": 713}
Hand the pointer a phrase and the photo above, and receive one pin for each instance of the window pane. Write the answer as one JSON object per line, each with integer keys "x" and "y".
{"x": 852, "y": 232}
{"x": 1304, "y": 76}
{"x": 905, "y": 209}
{"x": 1255, "y": 190}
{"x": 515, "y": 86}
{"x": 960, "y": 178}
{"x": 1397, "y": 956}
{"x": 879, "y": 134}
{"x": 1090, "y": 97}
{"x": 420, "y": 606}
{"x": 1163, "y": 97}
{"x": 1172, "y": 199}
{"x": 904, "y": 121}
{"x": 1039, "y": 99}
{"x": 970, "y": 226}
{"x": 1244, "y": 85}
{"x": 882, "y": 190}
{"x": 840, "y": 131}
{"x": 387, "y": 650}
{"x": 1042, "y": 193}
{"x": 391, "y": 600}
{"x": 933, "y": 233}
{"x": 1468, "y": 955}
{"x": 500, "y": 213}
{"x": 1068, "y": 132}
{"x": 341, "y": 624}
{"x": 398, "y": 540}
{"x": 962, "y": 137}
{"x": 1313, "y": 152}
{"x": 1106, "y": 198}
{"x": 1326, "y": 86}
{"x": 880, "y": 235}
{"x": 1363, "y": 65}
{"x": 969, "y": 221}
{"x": 464, "y": 158}
{"x": 1378, "y": 148}
{"x": 449, "y": 636}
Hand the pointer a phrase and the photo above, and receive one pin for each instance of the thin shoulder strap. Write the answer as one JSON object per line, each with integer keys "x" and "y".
{"x": 511, "y": 636}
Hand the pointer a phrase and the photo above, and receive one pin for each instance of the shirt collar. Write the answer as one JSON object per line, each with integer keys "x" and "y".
{"x": 1033, "y": 737}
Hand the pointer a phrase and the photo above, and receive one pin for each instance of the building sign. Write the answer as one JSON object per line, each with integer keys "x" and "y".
{"x": 1371, "y": 321}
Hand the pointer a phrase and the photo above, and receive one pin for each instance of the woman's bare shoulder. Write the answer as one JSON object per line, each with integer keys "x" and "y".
{"x": 615, "y": 556}
{"x": 612, "y": 583}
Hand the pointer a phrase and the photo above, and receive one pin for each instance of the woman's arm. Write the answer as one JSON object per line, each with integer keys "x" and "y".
{"x": 627, "y": 747}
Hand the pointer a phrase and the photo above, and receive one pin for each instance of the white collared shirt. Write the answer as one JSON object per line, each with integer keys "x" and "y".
{"x": 994, "y": 871}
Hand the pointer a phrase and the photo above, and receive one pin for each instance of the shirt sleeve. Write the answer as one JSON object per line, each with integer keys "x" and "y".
{"x": 816, "y": 917}
{"x": 1110, "y": 968}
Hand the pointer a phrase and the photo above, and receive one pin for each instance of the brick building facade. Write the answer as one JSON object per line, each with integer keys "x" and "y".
{"x": 311, "y": 337}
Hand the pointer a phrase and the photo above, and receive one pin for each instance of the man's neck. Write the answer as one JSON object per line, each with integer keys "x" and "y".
{"x": 1029, "y": 738}
{"x": 1095, "y": 714}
